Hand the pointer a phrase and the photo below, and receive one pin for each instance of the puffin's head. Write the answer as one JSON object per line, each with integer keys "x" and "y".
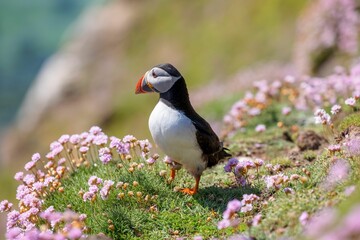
{"x": 159, "y": 79}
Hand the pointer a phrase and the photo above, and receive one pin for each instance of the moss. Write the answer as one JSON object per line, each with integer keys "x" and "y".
{"x": 350, "y": 120}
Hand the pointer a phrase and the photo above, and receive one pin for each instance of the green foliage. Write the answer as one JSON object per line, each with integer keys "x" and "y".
{"x": 350, "y": 120}
{"x": 309, "y": 155}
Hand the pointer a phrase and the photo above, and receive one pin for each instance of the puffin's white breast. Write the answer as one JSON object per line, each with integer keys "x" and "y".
{"x": 175, "y": 134}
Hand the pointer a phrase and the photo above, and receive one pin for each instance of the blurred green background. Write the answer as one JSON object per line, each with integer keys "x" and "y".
{"x": 30, "y": 31}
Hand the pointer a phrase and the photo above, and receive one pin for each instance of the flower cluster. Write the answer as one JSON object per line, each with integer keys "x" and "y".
{"x": 303, "y": 93}
{"x": 326, "y": 225}
{"x": 59, "y": 225}
{"x": 44, "y": 176}
{"x": 230, "y": 215}
{"x": 339, "y": 171}
{"x": 241, "y": 166}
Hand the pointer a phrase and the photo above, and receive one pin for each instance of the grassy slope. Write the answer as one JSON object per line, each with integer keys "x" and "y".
{"x": 179, "y": 215}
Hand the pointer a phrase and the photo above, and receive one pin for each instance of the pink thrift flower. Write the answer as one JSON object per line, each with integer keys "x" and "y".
{"x": 335, "y": 109}
{"x": 74, "y": 233}
{"x": 5, "y": 206}
{"x": 64, "y": 139}
{"x": 260, "y": 128}
{"x": 316, "y": 225}
{"x": 256, "y": 220}
{"x": 353, "y": 147}
{"x": 75, "y": 139}
{"x": 94, "y": 180}
{"x": 350, "y": 101}
{"x": 61, "y": 161}
{"x": 105, "y": 155}
{"x": 95, "y": 130}
{"x": 304, "y": 218}
{"x": 286, "y": 110}
{"x": 234, "y": 205}
{"x": 100, "y": 139}
{"x": 334, "y": 148}
{"x": 223, "y": 224}
{"x": 249, "y": 198}
{"x": 150, "y": 161}
{"x": 30, "y": 165}
{"x": 14, "y": 233}
{"x": 35, "y": 157}
{"x": 19, "y": 176}
{"x": 29, "y": 179}
{"x": 88, "y": 196}
{"x": 349, "y": 190}
{"x": 338, "y": 172}
{"x": 82, "y": 217}
{"x": 129, "y": 139}
{"x": 254, "y": 111}
{"x": 84, "y": 150}
{"x": 246, "y": 208}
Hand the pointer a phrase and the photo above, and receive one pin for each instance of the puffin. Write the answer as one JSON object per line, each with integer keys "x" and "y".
{"x": 176, "y": 128}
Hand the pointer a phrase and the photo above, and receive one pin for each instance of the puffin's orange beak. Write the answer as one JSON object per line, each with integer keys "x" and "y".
{"x": 139, "y": 86}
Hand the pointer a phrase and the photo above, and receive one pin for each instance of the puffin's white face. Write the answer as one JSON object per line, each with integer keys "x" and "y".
{"x": 156, "y": 80}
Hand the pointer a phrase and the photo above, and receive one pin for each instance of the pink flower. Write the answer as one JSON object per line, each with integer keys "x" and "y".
{"x": 95, "y": 130}
{"x": 353, "y": 147}
{"x": 129, "y": 139}
{"x": 338, "y": 172}
{"x": 105, "y": 155}
{"x": 30, "y": 165}
{"x": 74, "y": 233}
{"x": 234, "y": 205}
{"x": 19, "y": 176}
{"x": 304, "y": 218}
{"x": 246, "y": 208}
{"x": 223, "y": 224}
{"x": 260, "y": 128}
{"x": 334, "y": 148}
{"x": 321, "y": 116}
{"x": 150, "y": 161}
{"x": 350, "y": 101}
{"x": 84, "y": 150}
{"x": 75, "y": 139}
{"x": 61, "y": 161}
{"x": 286, "y": 110}
{"x": 29, "y": 179}
{"x": 249, "y": 199}
{"x": 335, "y": 109}
{"x": 100, "y": 139}
{"x": 349, "y": 190}
{"x": 104, "y": 192}
{"x": 5, "y": 206}
{"x": 94, "y": 180}
{"x": 64, "y": 139}
{"x": 14, "y": 233}
{"x": 256, "y": 220}
{"x": 35, "y": 157}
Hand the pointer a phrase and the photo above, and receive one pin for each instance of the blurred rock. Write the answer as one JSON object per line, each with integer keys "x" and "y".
{"x": 309, "y": 140}
{"x": 76, "y": 86}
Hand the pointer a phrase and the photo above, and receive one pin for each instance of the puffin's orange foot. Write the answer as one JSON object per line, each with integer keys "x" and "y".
{"x": 188, "y": 191}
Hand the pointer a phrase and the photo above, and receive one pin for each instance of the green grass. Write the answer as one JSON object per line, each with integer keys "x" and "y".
{"x": 176, "y": 215}
{"x": 179, "y": 215}
{"x": 350, "y": 120}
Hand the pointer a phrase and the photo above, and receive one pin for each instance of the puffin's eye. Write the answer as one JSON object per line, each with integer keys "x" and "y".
{"x": 154, "y": 74}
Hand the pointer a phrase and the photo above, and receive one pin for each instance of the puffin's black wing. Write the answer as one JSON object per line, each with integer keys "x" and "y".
{"x": 208, "y": 141}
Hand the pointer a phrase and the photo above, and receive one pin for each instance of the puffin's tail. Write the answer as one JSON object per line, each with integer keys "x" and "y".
{"x": 216, "y": 157}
